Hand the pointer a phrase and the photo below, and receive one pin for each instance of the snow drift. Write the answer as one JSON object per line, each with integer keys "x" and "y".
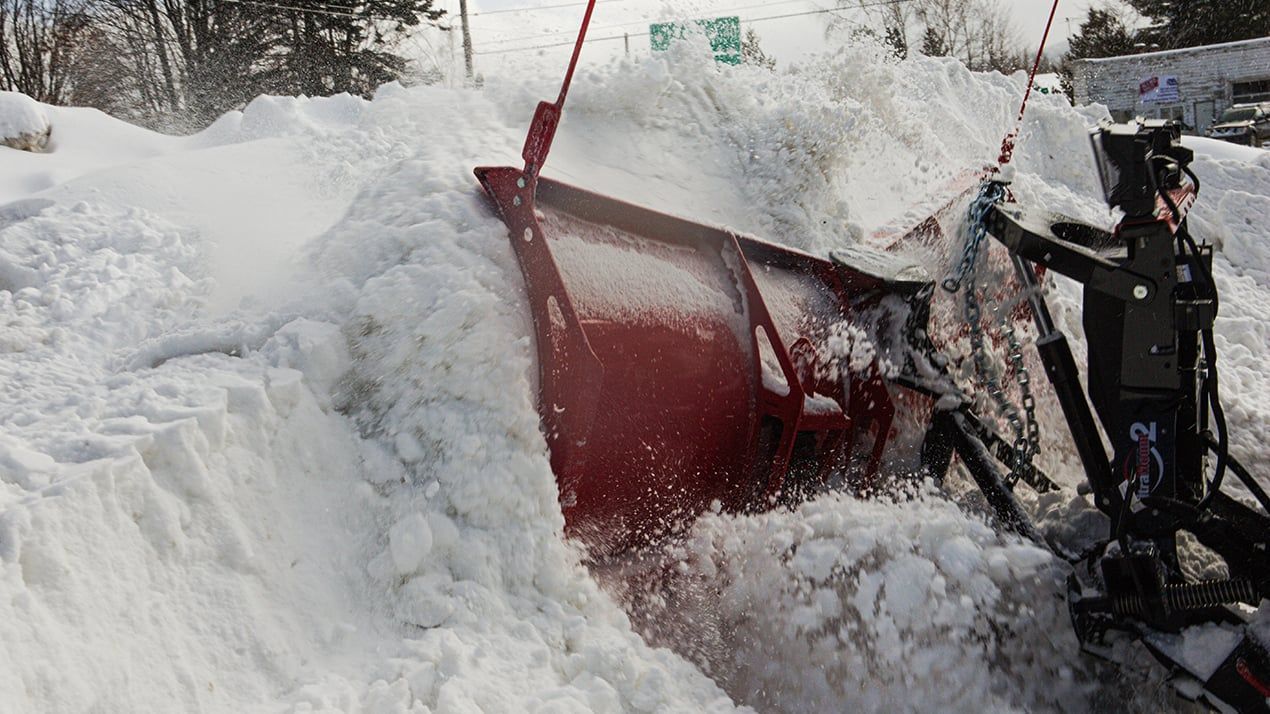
{"x": 267, "y": 427}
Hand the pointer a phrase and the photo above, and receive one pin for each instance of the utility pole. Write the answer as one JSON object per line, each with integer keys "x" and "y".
{"x": 467, "y": 38}
{"x": 627, "y": 37}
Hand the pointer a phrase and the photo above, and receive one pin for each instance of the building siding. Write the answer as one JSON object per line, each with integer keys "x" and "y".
{"x": 1205, "y": 74}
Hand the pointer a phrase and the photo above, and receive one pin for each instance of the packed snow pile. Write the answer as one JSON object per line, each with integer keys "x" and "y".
{"x": 893, "y": 607}
{"x": 23, "y": 124}
{"x": 267, "y": 428}
{"x": 841, "y": 605}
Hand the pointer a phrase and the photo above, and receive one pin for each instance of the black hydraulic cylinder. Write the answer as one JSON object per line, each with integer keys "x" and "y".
{"x": 991, "y": 482}
{"x": 1061, "y": 369}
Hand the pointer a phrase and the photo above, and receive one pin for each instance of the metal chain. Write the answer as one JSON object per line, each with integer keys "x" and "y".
{"x": 1027, "y": 444}
{"x": 1024, "y": 427}
{"x": 990, "y": 192}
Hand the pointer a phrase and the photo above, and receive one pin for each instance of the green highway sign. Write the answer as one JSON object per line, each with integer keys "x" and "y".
{"x": 724, "y": 34}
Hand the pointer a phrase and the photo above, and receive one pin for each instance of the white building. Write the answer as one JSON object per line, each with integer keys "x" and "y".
{"x": 1193, "y": 84}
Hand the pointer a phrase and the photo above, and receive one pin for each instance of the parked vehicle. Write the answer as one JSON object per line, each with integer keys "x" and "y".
{"x": 1243, "y": 124}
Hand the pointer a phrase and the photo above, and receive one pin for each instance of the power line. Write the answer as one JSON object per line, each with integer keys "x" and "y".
{"x": 292, "y": 8}
{"x": 834, "y": 11}
{"x": 561, "y": 44}
{"x": 537, "y": 7}
{"x": 831, "y": 10}
{"x": 752, "y": 20}
{"x": 644, "y": 21}
{"x": 319, "y": 11}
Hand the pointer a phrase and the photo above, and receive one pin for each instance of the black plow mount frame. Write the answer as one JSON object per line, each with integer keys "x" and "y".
{"x": 1149, "y": 306}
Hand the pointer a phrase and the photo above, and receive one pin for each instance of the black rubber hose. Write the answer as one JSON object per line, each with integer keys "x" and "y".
{"x": 1244, "y": 475}
{"x": 1197, "y": 260}
{"x": 1122, "y": 523}
{"x": 1210, "y": 392}
{"x": 1219, "y": 421}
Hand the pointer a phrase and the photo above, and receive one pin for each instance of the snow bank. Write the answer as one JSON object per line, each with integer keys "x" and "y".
{"x": 267, "y": 425}
{"x": 200, "y": 559}
{"x": 153, "y": 523}
{"x": 441, "y": 372}
{"x": 85, "y": 141}
{"x": 1231, "y": 212}
{"x": 432, "y": 510}
{"x": 1226, "y": 151}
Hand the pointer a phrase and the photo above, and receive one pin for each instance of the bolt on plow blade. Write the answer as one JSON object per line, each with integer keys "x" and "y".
{"x": 681, "y": 365}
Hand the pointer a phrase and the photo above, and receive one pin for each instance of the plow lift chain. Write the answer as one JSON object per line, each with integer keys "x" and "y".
{"x": 1023, "y": 426}
{"x": 1150, "y": 302}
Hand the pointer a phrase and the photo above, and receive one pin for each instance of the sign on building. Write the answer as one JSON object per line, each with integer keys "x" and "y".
{"x": 1159, "y": 89}
{"x": 724, "y": 34}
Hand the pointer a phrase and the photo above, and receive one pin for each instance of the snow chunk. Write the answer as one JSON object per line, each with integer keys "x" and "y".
{"x": 410, "y": 541}
{"x": 23, "y": 123}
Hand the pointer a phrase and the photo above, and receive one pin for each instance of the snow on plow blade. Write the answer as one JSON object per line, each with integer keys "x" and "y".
{"x": 683, "y": 365}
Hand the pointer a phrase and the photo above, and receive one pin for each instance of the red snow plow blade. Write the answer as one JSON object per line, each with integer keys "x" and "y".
{"x": 682, "y": 365}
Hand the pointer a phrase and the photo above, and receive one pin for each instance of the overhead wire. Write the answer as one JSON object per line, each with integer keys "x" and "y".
{"x": 533, "y": 8}
{"x": 751, "y": 20}
{"x": 322, "y": 11}
{"x": 642, "y": 21}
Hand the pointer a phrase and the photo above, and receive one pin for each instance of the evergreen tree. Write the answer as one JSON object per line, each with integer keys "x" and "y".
{"x": 1189, "y": 23}
{"x": 752, "y": 53}
{"x": 225, "y": 55}
{"x": 1102, "y": 34}
{"x": 896, "y": 40}
{"x": 346, "y": 45}
{"x": 933, "y": 44}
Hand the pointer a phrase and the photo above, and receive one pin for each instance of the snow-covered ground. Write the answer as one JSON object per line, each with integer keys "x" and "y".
{"x": 268, "y": 440}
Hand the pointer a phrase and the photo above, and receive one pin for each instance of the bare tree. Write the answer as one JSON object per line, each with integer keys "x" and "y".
{"x": 177, "y": 64}
{"x": 888, "y": 14}
{"x": 100, "y": 76}
{"x": 190, "y": 60}
{"x": 948, "y": 21}
{"x": 978, "y": 32}
{"x": 997, "y": 39}
{"x": 38, "y": 42}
